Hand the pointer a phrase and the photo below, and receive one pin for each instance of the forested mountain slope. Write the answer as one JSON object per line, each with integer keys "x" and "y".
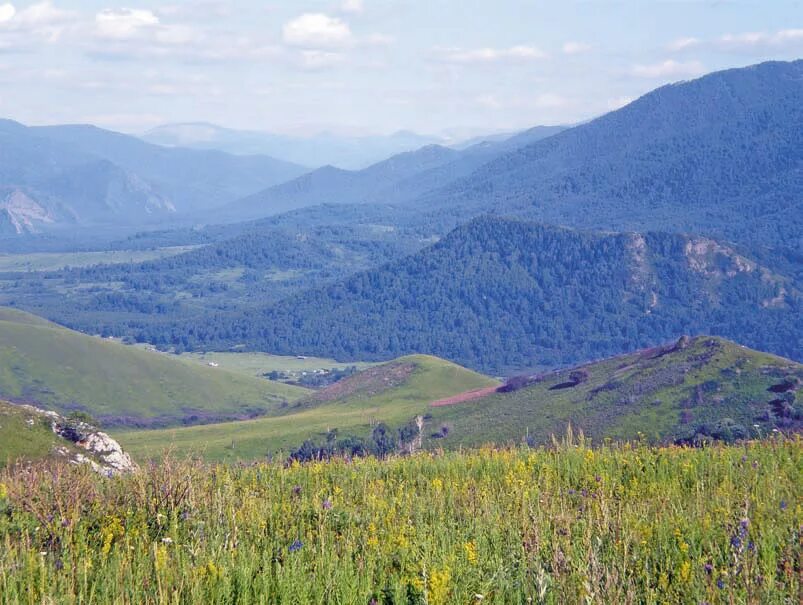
{"x": 500, "y": 295}
{"x": 721, "y": 155}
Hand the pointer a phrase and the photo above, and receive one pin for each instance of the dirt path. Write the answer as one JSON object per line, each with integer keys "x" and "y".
{"x": 463, "y": 397}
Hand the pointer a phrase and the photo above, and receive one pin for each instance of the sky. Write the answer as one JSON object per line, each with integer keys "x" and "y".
{"x": 447, "y": 67}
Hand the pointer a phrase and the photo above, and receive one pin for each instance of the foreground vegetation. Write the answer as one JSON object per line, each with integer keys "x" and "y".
{"x": 569, "y": 524}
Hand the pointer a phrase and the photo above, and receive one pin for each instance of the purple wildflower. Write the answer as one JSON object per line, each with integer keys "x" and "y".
{"x": 708, "y": 568}
{"x": 783, "y": 504}
{"x": 327, "y": 504}
{"x": 297, "y": 490}
{"x": 721, "y": 584}
{"x": 736, "y": 541}
{"x": 751, "y": 546}
{"x": 296, "y": 546}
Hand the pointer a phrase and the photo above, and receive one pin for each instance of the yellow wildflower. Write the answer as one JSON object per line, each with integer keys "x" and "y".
{"x": 439, "y": 586}
{"x": 471, "y": 552}
{"x": 685, "y": 571}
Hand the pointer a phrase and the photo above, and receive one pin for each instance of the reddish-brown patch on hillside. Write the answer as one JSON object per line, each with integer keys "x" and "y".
{"x": 367, "y": 383}
{"x": 463, "y": 397}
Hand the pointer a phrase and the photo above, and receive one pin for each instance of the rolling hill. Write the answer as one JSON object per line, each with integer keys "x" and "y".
{"x": 686, "y": 391}
{"x": 502, "y": 295}
{"x": 44, "y": 364}
{"x": 393, "y": 393}
{"x": 696, "y": 388}
{"x": 721, "y": 156}
{"x": 52, "y": 176}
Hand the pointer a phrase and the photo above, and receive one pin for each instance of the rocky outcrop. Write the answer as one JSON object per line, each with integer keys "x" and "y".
{"x": 85, "y": 444}
{"x": 22, "y": 213}
{"x": 104, "y": 453}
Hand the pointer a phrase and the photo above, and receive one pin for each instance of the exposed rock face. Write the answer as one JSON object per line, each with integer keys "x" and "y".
{"x": 103, "y": 453}
{"x": 23, "y": 213}
{"x": 714, "y": 260}
{"x": 107, "y": 456}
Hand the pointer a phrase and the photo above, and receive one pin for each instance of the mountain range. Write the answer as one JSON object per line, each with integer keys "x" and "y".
{"x": 397, "y": 180}
{"x": 53, "y": 176}
{"x": 721, "y": 155}
{"x": 345, "y": 152}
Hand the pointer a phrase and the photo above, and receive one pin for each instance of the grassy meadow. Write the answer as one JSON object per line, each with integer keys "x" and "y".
{"x": 376, "y": 396}
{"x": 566, "y": 524}
{"x": 56, "y": 368}
{"x": 53, "y": 261}
{"x": 260, "y": 364}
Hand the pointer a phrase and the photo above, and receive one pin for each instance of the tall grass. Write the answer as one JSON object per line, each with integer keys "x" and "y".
{"x": 568, "y": 524}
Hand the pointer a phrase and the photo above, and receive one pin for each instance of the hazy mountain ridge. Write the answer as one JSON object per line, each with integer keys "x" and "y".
{"x": 81, "y": 175}
{"x": 397, "y": 180}
{"x": 345, "y": 152}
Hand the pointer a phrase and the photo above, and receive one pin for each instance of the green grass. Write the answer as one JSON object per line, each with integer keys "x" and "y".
{"x": 431, "y": 379}
{"x": 60, "y": 369}
{"x": 663, "y": 394}
{"x": 618, "y": 524}
{"x": 53, "y": 261}
{"x": 25, "y": 435}
{"x": 259, "y": 364}
{"x": 661, "y": 397}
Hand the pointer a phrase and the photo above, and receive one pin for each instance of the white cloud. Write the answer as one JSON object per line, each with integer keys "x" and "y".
{"x": 669, "y": 69}
{"x": 43, "y": 13}
{"x": 619, "y": 102}
{"x": 124, "y": 23}
{"x": 547, "y": 100}
{"x": 378, "y": 40}
{"x": 352, "y": 6}
{"x": 41, "y": 20}
{"x": 315, "y": 60}
{"x": 683, "y": 44}
{"x": 575, "y": 48}
{"x": 749, "y": 40}
{"x": 490, "y": 55}
{"x": 316, "y": 30}
{"x": 551, "y": 100}
{"x": 490, "y": 101}
{"x": 7, "y": 12}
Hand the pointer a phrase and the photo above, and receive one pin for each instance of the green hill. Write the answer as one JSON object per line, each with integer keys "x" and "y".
{"x": 695, "y": 388}
{"x": 48, "y": 365}
{"x": 393, "y": 393}
{"x": 26, "y": 434}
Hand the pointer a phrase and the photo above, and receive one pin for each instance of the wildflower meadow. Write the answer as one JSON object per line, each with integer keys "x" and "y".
{"x": 627, "y": 523}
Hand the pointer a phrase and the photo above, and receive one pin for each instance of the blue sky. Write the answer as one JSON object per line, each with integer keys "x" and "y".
{"x": 369, "y": 66}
